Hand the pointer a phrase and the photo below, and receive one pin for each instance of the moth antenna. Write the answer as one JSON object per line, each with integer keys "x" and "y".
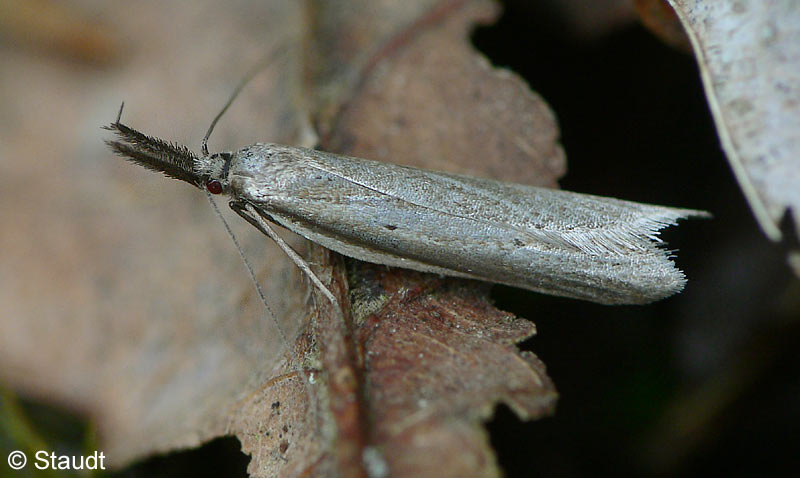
{"x": 250, "y": 270}
{"x": 244, "y": 81}
{"x": 119, "y": 115}
{"x": 292, "y": 362}
{"x": 233, "y": 96}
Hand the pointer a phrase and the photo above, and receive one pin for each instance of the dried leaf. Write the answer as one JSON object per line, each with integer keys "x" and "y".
{"x": 55, "y": 28}
{"x": 423, "y": 97}
{"x": 168, "y": 345}
{"x": 660, "y": 18}
{"x": 749, "y": 58}
{"x": 432, "y": 355}
{"x": 123, "y": 297}
{"x": 414, "y": 93}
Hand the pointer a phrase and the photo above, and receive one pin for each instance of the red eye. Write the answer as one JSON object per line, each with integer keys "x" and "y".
{"x": 214, "y": 186}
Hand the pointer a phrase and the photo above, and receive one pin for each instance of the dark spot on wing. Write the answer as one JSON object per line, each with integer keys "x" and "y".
{"x": 390, "y": 227}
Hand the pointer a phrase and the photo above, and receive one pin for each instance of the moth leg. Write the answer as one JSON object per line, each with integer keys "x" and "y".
{"x": 251, "y": 215}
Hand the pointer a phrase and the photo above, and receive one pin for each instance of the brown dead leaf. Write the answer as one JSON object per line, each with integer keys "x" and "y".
{"x": 124, "y": 299}
{"x": 432, "y": 353}
{"x": 423, "y": 97}
{"x": 54, "y": 28}
{"x": 415, "y": 89}
{"x": 749, "y": 58}
{"x": 659, "y": 17}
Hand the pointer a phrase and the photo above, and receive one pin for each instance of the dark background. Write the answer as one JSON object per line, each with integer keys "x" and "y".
{"x": 704, "y": 383}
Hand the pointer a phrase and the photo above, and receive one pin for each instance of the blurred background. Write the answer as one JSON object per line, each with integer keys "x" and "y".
{"x": 706, "y": 382}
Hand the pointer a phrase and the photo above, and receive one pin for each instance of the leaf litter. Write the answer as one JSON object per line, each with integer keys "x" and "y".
{"x": 749, "y": 59}
{"x": 168, "y": 346}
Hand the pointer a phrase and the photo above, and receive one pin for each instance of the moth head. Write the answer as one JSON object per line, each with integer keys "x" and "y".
{"x": 214, "y": 171}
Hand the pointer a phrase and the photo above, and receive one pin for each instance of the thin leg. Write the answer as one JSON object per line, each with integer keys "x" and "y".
{"x": 251, "y": 215}
{"x": 292, "y": 362}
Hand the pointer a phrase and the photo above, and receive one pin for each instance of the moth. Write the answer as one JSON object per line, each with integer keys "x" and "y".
{"x": 551, "y": 241}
